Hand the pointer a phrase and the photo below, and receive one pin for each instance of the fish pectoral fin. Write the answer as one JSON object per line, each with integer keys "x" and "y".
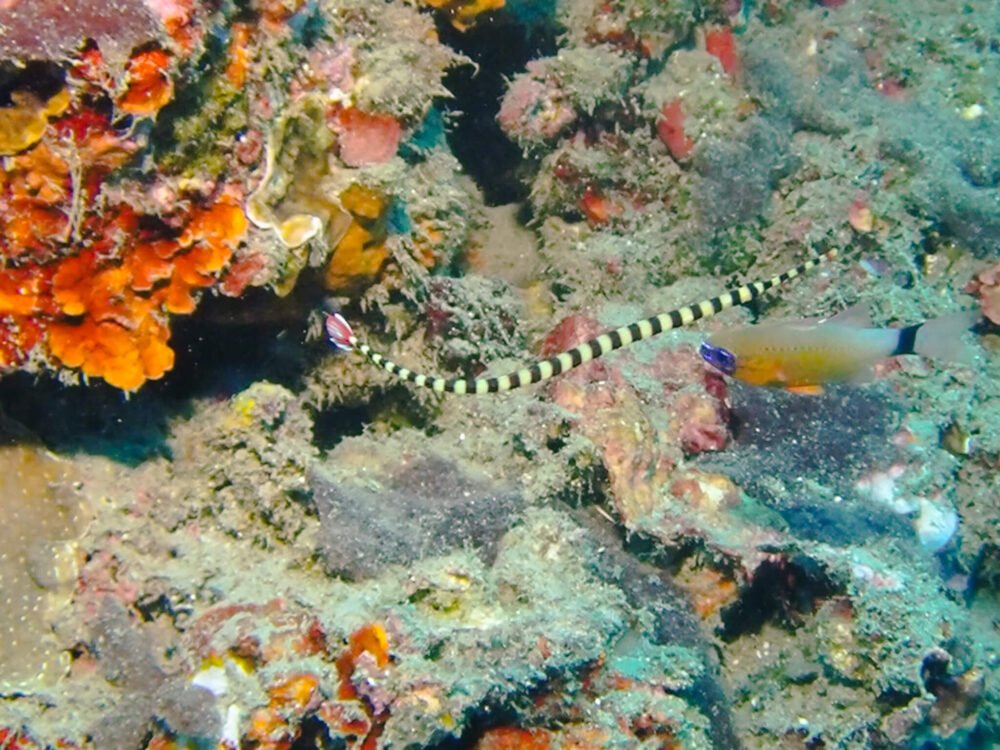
{"x": 806, "y": 390}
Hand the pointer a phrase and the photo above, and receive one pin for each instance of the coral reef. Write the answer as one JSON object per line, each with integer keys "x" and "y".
{"x": 258, "y": 494}
{"x": 286, "y": 548}
{"x": 112, "y": 223}
{"x": 91, "y": 277}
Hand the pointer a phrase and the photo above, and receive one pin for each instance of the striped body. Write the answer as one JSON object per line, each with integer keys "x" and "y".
{"x": 343, "y": 337}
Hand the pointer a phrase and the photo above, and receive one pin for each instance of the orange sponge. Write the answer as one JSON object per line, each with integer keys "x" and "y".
{"x": 462, "y": 13}
{"x": 149, "y": 85}
{"x": 105, "y": 309}
{"x": 361, "y": 254}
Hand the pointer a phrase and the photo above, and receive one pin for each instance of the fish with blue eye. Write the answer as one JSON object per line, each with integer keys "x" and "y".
{"x": 805, "y": 355}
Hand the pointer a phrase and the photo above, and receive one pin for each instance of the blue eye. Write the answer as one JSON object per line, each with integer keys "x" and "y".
{"x": 721, "y": 359}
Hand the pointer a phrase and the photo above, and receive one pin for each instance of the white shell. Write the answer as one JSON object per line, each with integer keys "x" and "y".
{"x": 935, "y": 525}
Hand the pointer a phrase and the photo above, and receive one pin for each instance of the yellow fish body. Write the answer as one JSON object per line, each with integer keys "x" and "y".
{"x": 803, "y": 356}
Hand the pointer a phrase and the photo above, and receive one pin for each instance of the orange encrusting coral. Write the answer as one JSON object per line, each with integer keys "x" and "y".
{"x": 149, "y": 85}
{"x": 369, "y": 642}
{"x": 289, "y": 697}
{"x": 18, "y": 336}
{"x": 240, "y": 56}
{"x": 205, "y": 247}
{"x": 123, "y": 334}
{"x": 43, "y": 195}
{"x": 87, "y": 281}
{"x": 276, "y": 725}
{"x": 370, "y": 639}
{"x": 19, "y": 292}
{"x": 515, "y": 738}
{"x": 124, "y": 358}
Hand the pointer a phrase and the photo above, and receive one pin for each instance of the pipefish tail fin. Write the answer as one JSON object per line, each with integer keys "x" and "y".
{"x": 342, "y": 336}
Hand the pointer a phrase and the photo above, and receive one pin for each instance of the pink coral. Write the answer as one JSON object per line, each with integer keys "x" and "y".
{"x": 986, "y": 286}
{"x": 702, "y": 423}
{"x": 534, "y": 109}
{"x": 569, "y": 332}
{"x": 721, "y": 44}
{"x": 670, "y": 128}
{"x": 365, "y": 138}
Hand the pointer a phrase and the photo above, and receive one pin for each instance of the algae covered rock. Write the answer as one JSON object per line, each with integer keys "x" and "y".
{"x": 42, "y": 520}
{"x": 394, "y": 511}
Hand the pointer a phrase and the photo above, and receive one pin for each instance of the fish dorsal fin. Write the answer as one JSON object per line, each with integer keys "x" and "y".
{"x": 857, "y": 316}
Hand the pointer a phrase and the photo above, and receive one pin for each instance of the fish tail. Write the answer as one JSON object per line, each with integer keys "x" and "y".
{"x": 940, "y": 338}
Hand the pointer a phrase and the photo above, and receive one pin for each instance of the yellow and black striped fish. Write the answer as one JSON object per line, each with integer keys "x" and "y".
{"x": 342, "y": 336}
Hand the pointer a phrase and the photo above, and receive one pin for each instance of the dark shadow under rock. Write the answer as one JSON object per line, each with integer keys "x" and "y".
{"x": 785, "y": 590}
{"x": 787, "y": 446}
{"x": 425, "y": 505}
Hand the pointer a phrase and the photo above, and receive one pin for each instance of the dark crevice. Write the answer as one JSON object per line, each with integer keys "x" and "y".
{"x": 394, "y": 407}
{"x": 783, "y": 591}
{"x": 331, "y": 426}
{"x": 314, "y": 734}
{"x": 500, "y": 47}
{"x": 39, "y": 79}
{"x": 93, "y": 419}
{"x": 666, "y": 613}
{"x": 224, "y": 347}
{"x": 231, "y": 343}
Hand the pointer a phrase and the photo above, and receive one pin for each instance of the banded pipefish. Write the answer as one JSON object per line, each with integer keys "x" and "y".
{"x": 341, "y": 335}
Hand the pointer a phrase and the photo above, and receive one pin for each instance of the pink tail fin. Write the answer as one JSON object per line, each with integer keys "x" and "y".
{"x": 942, "y": 337}
{"x": 339, "y": 332}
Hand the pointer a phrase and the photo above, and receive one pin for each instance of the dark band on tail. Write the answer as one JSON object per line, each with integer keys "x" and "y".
{"x": 907, "y": 340}
{"x": 596, "y": 347}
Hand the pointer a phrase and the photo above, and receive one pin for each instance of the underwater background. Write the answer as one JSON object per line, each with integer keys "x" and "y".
{"x": 217, "y": 531}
